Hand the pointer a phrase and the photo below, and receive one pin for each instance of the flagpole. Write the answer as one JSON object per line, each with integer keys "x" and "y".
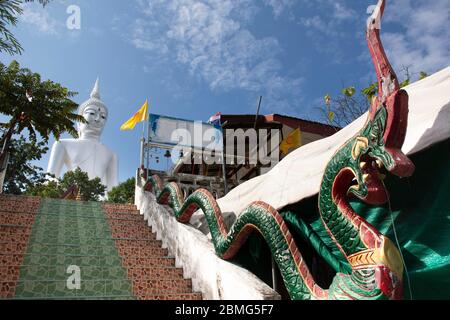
{"x": 142, "y": 145}
{"x": 147, "y": 160}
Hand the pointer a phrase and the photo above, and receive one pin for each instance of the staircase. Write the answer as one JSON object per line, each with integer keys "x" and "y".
{"x": 47, "y": 245}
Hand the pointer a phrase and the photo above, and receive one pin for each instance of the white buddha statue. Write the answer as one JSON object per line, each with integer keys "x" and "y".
{"x": 87, "y": 152}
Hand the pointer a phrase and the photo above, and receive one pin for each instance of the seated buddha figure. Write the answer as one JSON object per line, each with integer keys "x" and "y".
{"x": 87, "y": 152}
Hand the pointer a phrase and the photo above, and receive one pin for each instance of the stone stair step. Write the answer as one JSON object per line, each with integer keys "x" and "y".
{"x": 185, "y": 296}
{"x": 76, "y": 239}
{"x": 15, "y": 229}
{"x": 62, "y": 238}
{"x": 115, "y": 297}
{"x": 127, "y": 217}
{"x": 132, "y": 251}
{"x": 17, "y": 219}
{"x": 116, "y": 250}
{"x": 19, "y": 205}
{"x": 11, "y": 236}
{"x": 9, "y": 273}
{"x": 142, "y": 252}
{"x": 7, "y": 289}
{"x": 152, "y": 287}
{"x": 33, "y": 272}
{"x": 129, "y": 222}
{"x": 123, "y": 212}
{"x": 144, "y": 235}
{"x": 133, "y": 262}
{"x": 119, "y": 208}
{"x": 62, "y": 260}
{"x": 58, "y": 288}
{"x": 12, "y": 247}
{"x": 28, "y": 213}
{"x": 155, "y": 273}
{"x": 141, "y": 243}
{"x": 122, "y": 242}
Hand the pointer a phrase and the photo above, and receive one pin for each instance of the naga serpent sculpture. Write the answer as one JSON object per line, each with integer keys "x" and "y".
{"x": 356, "y": 168}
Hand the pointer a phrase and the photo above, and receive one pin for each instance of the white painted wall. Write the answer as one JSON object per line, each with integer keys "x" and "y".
{"x": 215, "y": 278}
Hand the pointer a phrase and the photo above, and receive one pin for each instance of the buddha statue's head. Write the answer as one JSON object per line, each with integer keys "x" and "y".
{"x": 96, "y": 114}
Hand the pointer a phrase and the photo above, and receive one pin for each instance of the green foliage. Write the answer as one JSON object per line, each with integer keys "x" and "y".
{"x": 50, "y": 189}
{"x": 350, "y": 105}
{"x": 349, "y": 91}
{"x": 90, "y": 190}
{"x": 50, "y": 112}
{"x": 405, "y": 83}
{"x": 21, "y": 174}
{"x": 371, "y": 91}
{"x": 422, "y": 75}
{"x": 9, "y": 12}
{"x": 123, "y": 193}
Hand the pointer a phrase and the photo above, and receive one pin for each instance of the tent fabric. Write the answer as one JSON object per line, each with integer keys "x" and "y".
{"x": 420, "y": 208}
{"x": 298, "y": 176}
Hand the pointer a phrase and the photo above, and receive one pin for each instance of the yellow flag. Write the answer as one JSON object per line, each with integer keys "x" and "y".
{"x": 141, "y": 115}
{"x": 293, "y": 140}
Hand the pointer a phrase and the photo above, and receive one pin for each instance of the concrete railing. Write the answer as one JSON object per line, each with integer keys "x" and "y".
{"x": 215, "y": 278}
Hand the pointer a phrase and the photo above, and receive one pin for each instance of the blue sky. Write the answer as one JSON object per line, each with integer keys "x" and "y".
{"x": 193, "y": 58}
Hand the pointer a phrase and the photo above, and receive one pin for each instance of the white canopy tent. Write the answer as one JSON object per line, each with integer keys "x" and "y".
{"x": 299, "y": 175}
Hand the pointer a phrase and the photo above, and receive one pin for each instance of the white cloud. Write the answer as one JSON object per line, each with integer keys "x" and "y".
{"x": 423, "y": 44}
{"x": 279, "y": 6}
{"x": 40, "y": 19}
{"x": 332, "y": 15}
{"x": 210, "y": 38}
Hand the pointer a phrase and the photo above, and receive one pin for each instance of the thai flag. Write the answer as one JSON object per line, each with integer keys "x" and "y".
{"x": 215, "y": 119}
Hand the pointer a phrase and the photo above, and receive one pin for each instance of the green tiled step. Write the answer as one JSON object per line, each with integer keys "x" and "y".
{"x": 35, "y": 248}
{"x": 66, "y": 260}
{"x": 61, "y": 238}
{"x": 89, "y": 216}
{"x": 69, "y": 224}
{"x": 58, "y": 288}
{"x": 64, "y": 216}
{"x": 90, "y": 231}
{"x": 72, "y": 212}
{"x": 62, "y": 260}
{"x": 34, "y": 273}
{"x": 100, "y": 288}
{"x": 14, "y": 246}
{"x": 97, "y": 273}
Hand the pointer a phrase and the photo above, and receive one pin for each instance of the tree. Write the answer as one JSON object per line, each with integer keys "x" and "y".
{"x": 9, "y": 12}
{"x": 49, "y": 189}
{"x": 351, "y": 103}
{"x": 41, "y": 107}
{"x": 21, "y": 173}
{"x": 90, "y": 190}
{"x": 123, "y": 193}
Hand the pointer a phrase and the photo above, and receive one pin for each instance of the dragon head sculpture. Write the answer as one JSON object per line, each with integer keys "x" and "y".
{"x": 377, "y": 148}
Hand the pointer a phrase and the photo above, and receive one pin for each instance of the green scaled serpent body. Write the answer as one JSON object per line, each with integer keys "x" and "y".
{"x": 356, "y": 169}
